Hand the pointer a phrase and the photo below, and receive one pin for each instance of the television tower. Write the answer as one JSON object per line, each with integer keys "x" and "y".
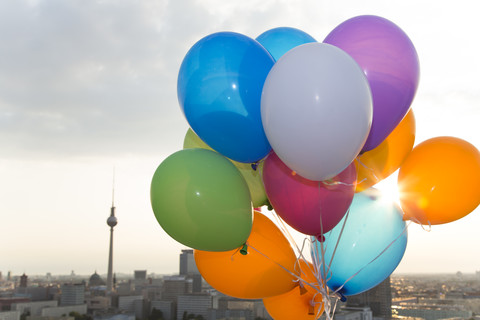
{"x": 112, "y": 222}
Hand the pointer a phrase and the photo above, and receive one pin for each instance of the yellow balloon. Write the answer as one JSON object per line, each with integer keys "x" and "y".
{"x": 375, "y": 165}
{"x": 439, "y": 182}
{"x": 251, "y": 176}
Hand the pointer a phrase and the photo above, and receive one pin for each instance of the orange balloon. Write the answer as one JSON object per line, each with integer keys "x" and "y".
{"x": 375, "y": 165}
{"x": 439, "y": 182}
{"x": 304, "y": 302}
{"x": 267, "y": 268}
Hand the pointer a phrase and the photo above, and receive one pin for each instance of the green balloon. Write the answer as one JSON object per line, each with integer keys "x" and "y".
{"x": 251, "y": 176}
{"x": 201, "y": 200}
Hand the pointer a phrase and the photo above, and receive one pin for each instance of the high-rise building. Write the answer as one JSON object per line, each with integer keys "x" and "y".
{"x": 188, "y": 268}
{"x": 379, "y": 299}
{"x": 111, "y": 222}
{"x": 72, "y": 294}
{"x": 187, "y": 263}
{"x": 23, "y": 280}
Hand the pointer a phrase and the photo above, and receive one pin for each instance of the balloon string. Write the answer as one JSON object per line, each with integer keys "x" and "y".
{"x": 321, "y": 264}
{"x": 284, "y": 229}
{"x": 298, "y": 278}
{"x": 391, "y": 243}
{"x": 334, "y": 183}
{"x": 425, "y": 227}
{"x": 368, "y": 168}
{"x": 338, "y": 241}
{"x": 289, "y": 237}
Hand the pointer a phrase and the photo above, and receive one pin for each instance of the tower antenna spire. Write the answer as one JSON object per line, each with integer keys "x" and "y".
{"x": 113, "y": 187}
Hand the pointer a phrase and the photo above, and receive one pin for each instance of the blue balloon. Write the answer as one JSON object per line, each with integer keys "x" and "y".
{"x": 370, "y": 247}
{"x": 280, "y": 40}
{"x": 219, "y": 89}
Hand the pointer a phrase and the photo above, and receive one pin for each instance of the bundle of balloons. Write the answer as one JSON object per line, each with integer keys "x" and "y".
{"x": 306, "y": 128}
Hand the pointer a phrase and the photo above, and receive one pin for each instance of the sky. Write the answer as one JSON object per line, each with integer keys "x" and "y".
{"x": 88, "y": 86}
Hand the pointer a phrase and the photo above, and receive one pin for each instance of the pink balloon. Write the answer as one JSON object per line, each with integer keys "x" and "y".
{"x": 311, "y": 207}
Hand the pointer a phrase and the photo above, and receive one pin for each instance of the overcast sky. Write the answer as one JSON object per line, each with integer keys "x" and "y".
{"x": 86, "y": 86}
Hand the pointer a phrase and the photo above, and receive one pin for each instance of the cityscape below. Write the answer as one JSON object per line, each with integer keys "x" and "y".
{"x": 148, "y": 296}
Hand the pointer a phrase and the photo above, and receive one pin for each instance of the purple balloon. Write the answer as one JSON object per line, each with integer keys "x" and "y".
{"x": 390, "y": 62}
{"x": 311, "y": 207}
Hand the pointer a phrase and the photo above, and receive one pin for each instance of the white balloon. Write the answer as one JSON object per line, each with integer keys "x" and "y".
{"x": 316, "y": 110}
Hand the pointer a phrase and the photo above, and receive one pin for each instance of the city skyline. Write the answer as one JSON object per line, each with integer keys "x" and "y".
{"x": 85, "y": 87}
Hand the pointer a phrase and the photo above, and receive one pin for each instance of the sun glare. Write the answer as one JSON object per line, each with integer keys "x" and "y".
{"x": 389, "y": 189}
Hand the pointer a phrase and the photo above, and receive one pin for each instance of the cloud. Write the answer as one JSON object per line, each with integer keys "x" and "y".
{"x": 83, "y": 77}
{"x": 99, "y": 77}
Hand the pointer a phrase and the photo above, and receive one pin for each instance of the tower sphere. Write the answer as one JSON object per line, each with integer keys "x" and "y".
{"x": 112, "y": 221}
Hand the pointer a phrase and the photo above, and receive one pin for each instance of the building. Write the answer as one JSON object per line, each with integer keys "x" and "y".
{"x": 37, "y": 293}
{"x": 72, "y": 294}
{"x": 7, "y": 302}
{"x": 64, "y": 310}
{"x": 125, "y": 288}
{"x": 96, "y": 303}
{"x": 140, "y": 280}
{"x": 9, "y": 315}
{"x": 33, "y": 308}
{"x": 116, "y": 316}
{"x": 95, "y": 280}
{"x": 50, "y": 318}
{"x": 433, "y": 312}
{"x": 188, "y": 268}
{"x": 127, "y": 303}
{"x": 174, "y": 286}
{"x": 23, "y": 280}
{"x": 378, "y": 299}
{"x": 237, "y": 314}
{"x": 166, "y": 307}
{"x": 140, "y": 275}
{"x": 197, "y": 304}
{"x": 351, "y": 313}
{"x": 187, "y": 263}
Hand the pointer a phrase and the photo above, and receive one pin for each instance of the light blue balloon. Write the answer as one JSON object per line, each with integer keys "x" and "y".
{"x": 371, "y": 245}
{"x": 219, "y": 89}
{"x": 280, "y": 40}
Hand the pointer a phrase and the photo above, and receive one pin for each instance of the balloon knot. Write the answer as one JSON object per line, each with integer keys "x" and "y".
{"x": 342, "y": 297}
{"x": 320, "y": 237}
{"x": 254, "y": 166}
{"x": 269, "y": 206}
{"x": 303, "y": 290}
{"x": 244, "y": 250}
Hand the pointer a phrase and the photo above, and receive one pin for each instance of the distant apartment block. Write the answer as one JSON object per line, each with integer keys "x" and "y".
{"x": 9, "y": 315}
{"x": 174, "y": 286}
{"x": 433, "y": 312}
{"x": 197, "y": 304}
{"x": 34, "y": 308}
{"x": 64, "y": 310}
{"x": 95, "y": 303}
{"x": 127, "y": 303}
{"x": 72, "y": 294}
